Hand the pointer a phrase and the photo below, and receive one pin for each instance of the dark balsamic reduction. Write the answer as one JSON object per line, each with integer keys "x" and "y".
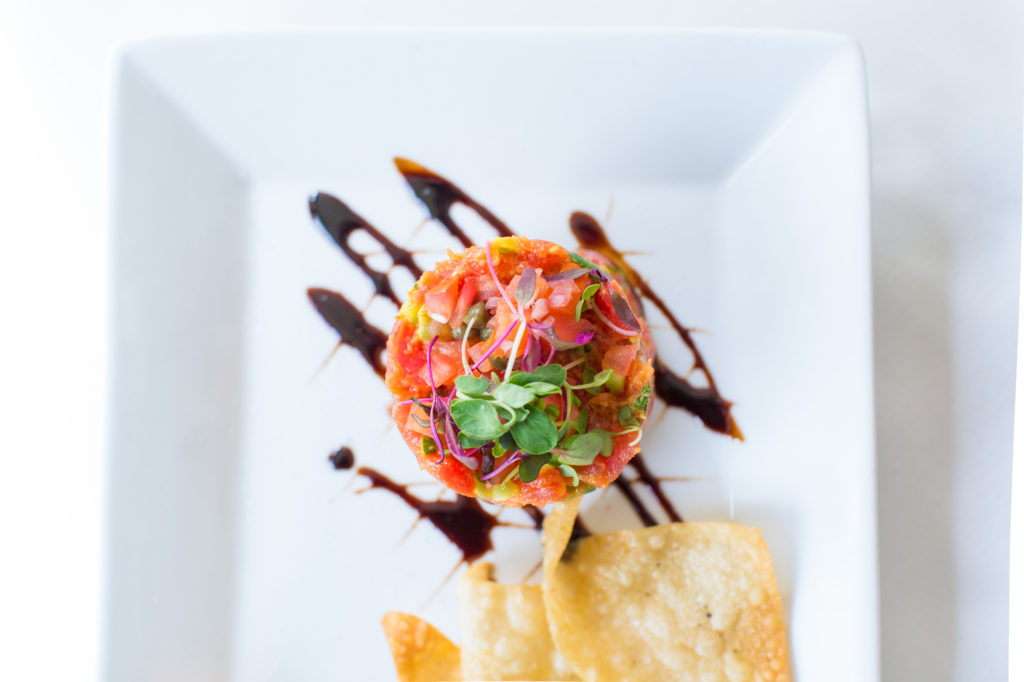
{"x": 653, "y": 484}
{"x": 465, "y": 523}
{"x": 639, "y": 509}
{"x": 707, "y": 404}
{"x": 343, "y": 458}
{"x": 439, "y": 195}
{"x": 351, "y": 325}
{"x": 341, "y": 222}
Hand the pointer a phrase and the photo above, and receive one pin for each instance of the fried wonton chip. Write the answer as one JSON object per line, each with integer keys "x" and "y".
{"x": 421, "y": 652}
{"x": 504, "y": 630}
{"x": 683, "y": 601}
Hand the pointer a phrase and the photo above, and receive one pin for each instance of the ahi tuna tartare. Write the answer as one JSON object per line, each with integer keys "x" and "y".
{"x": 522, "y": 372}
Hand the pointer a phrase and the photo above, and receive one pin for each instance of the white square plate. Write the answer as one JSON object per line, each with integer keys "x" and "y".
{"x": 738, "y": 166}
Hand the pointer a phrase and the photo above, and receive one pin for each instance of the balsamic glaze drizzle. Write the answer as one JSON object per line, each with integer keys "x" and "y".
{"x": 340, "y": 222}
{"x": 707, "y": 404}
{"x": 465, "y": 523}
{"x": 351, "y": 325}
{"x": 439, "y": 195}
{"x": 653, "y": 484}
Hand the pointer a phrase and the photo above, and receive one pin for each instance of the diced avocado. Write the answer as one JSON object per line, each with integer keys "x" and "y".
{"x": 506, "y": 244}
{"x": 428, "y": 446}
{"x": 616, "y": 383}
{"x": 429, "y": 328}
{"x": 410, "y": 312}
{"x": 499, "y": 492}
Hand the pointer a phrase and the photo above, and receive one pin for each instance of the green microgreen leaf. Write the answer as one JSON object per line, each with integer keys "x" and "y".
{"x": 580, "y": 423}
{"x": 468, "y": 441}
{"x": 530, "y": 467}
{"x": 626, "y": 417}
{"x": 535, "y": 433}
{"x": 513, "y": 395}
{"x": 474, "y": 387}
{"x": 507, "y": 441}
{"x": 526, "y": 286}
{"x": 581, "y": 261}
{"x": 600, "y": 379}
{"x": 542, "y": 388}
{"x": 582, "y": 449}
{"x": 569, "y": 472}
{"x": 477, "y": 418}
{"x": 553, "y": 374}
{"x": 587, "y": 294}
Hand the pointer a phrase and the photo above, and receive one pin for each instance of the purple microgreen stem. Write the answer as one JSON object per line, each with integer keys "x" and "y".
{"x": 498, "y": 342}
{"x": 513, "y": 458}
{"x": 551, "y": 354}
{"x": 497, "y": 282}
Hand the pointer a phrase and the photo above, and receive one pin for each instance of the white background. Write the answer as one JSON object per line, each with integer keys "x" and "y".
{"x": 945, "y": 83}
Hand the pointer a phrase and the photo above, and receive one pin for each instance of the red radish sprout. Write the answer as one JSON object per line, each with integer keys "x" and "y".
{"x": 615, "y": 328}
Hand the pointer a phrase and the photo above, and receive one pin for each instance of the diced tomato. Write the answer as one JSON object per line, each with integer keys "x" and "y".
{"x": 440, "y": 300}
{"x": 564, "y": 295}
{"x": 445, "y": 363}
{"x": 567, "y": 328}
{"x": 466, "y": 297}
{"x": 542, "y": 290}
{"x": 412, "y": 425}
{"x": 503, "y": 317}
{"x": 618, "y": 358}
{"x": 540, "y": 308}
{"x": 476, "y": 351}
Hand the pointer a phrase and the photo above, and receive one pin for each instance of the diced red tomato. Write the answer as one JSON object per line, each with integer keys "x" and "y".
{"x": 440, "y": 300}
{"x": 445, "y": 363}
{"x": 467, "y": 294}
{"x": 567, "y": 327}
{"x": 564, "y": 295}
{"x": 412, "y": 425}
{"x": 476, "y": 351}
{"x": 618, "y": 358}
{"x": 540, "y": 308}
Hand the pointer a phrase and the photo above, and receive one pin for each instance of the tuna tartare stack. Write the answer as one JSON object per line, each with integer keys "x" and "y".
{"x": 522, "y": 372}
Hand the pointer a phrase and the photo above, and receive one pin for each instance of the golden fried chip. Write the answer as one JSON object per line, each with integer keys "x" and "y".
{"x": 421, "y": 652}
{"x": 504, "y": 630}
{"x": 683, "y": 601}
